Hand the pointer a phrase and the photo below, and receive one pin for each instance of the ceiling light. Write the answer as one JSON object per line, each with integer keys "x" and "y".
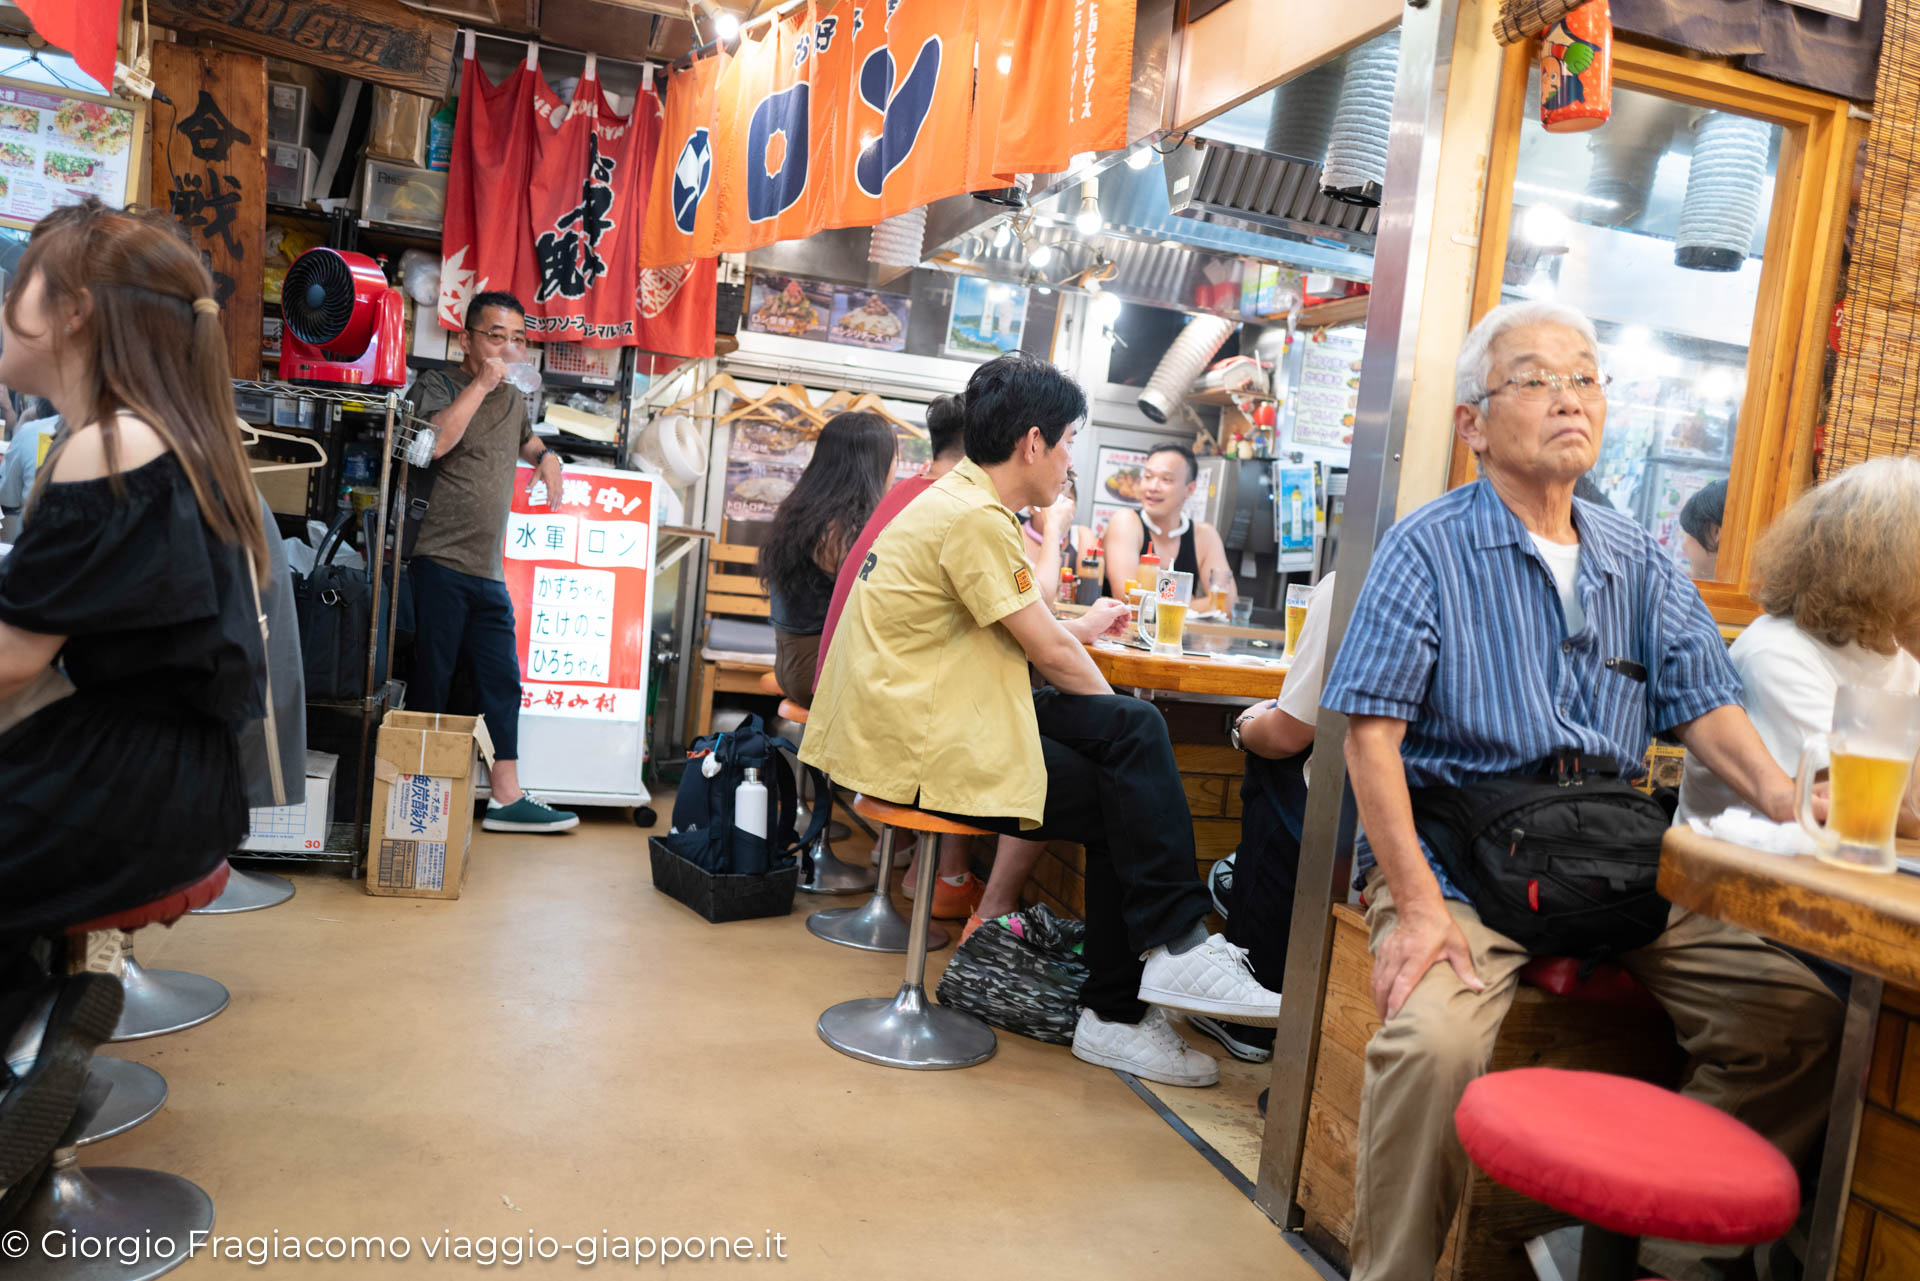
{"x": 1088, "y": 221}
{"x": 1106, "y": 309}
{"x": 1140, "y": 158}
{"x": 726, "y": 26}
{"x": 1544, "y": 226}
{"x": 1040, "y": 255}
{"x": 1003, "y": 237}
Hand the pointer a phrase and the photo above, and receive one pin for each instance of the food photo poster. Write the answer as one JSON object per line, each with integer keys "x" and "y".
{"x": 57, "y": 148}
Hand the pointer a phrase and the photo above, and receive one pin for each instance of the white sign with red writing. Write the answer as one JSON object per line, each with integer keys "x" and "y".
{"x": 581, "y": 578}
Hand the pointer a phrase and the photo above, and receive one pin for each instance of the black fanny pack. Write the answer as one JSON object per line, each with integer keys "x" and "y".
{"x": 1562, "y": 862}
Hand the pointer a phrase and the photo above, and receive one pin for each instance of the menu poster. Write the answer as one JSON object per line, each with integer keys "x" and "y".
{"x": 1117, "y": 477}
{"x": 769, "y": 450}
{"x": 789, "y": 307}
{"x": 986, "y": 319}
{"x": 877, "y": 322}
{"x": 1103, "y": 514}
{"x": 57, "y": 149}
{"x": 581, "y": 582}
{"x": 1325, "y": 399}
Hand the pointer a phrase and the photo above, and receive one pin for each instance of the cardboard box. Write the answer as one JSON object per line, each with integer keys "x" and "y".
{"x": 422, "y": 820}
{"x": 295, "y": 829}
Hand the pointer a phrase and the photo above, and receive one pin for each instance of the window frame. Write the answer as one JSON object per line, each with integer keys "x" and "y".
{"x": 1775, "y": 437}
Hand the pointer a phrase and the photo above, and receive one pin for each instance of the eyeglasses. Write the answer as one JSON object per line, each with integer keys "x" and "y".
{"x": 517, "y": 337}
{"x": 1538, "y": 385}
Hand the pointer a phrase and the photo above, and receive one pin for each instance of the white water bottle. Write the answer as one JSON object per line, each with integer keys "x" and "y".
{"x": 750, "y": 805}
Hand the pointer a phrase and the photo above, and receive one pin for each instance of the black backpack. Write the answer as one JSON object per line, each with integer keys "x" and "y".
{"x": 1563, "y": 866}
{"x": 704, "y": 832}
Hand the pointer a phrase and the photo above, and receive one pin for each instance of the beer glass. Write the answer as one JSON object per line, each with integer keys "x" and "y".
{"x": 1163, "y": 611}
{"x": 1297, "y": 596}
{"x": 1870, "y": 767}
{"x": 1219, "y": 586}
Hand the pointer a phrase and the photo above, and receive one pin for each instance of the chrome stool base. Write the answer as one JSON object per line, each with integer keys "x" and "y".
{"x": 827, "y": 873}
{"x": 248, "y": 892}
{"x": 876, "y": 925}
{"x": 162, "y": 1001}
{"x": 80, "y": 1207}
{"x": 906, "y": 1030}
{"x": 137, "y": 1093}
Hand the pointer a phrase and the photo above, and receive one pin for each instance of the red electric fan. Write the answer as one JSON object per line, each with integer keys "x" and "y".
{"x": 343, "y": 323}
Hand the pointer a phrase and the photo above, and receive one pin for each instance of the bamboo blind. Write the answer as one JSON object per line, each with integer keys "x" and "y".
{"x": 1875, "y": 408}
{"x": 1524, "y": 19}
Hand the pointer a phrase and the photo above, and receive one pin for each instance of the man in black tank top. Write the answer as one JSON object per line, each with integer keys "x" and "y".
{"x": 1167, "y": 480}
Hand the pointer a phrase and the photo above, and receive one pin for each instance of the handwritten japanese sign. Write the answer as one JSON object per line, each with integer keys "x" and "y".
{"x": 581, "y": 581}
{"x": 209, "y": 170}
{"x": 379, "y": 41}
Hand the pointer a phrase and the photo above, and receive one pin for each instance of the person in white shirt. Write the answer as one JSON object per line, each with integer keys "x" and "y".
{"x": 1839, "y": 578}
{"x": 1277, "y": 737}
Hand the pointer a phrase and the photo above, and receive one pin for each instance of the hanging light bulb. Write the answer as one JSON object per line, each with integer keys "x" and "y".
{"x": 1003, "y": 237}
{"x": 1139, "y": 158}
{"x": 1088, "y": 221}
{"x": 726, "y": 26}
{"x": 1106, "y": 309}
{"x": 1040, "y": 255}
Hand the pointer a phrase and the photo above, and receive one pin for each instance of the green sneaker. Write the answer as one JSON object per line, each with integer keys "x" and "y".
{"x": 527, "y": 815}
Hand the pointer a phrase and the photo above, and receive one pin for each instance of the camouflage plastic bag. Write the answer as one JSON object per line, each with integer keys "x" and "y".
{"x": 1023, "y": 973}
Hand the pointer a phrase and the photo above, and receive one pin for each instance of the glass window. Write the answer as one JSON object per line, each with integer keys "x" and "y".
{"x": 1604, "y": 222}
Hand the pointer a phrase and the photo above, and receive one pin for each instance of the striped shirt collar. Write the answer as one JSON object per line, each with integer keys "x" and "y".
{"x": 1493, "y": 524}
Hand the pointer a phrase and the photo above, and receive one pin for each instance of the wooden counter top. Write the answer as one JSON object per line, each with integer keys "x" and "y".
{"x": 1864, "y": 921}
{"x": 1136, "y": 669}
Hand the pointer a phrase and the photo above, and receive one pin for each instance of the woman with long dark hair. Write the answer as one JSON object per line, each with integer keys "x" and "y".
{"x": 852, "y": 466}
{"x": 131, "y": 652}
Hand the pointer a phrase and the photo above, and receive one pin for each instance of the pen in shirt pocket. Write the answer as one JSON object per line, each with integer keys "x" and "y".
{"x": 1627, "y": 668}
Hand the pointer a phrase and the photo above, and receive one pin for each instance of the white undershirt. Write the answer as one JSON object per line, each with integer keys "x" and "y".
{"x": 1563, "y": 559}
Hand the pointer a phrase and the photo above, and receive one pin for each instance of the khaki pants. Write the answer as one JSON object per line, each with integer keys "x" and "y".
{"x": 1760, "y": 1031}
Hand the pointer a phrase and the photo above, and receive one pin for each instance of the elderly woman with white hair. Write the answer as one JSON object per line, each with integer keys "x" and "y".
{"x": 1512, "y": 651}
{"x": 1839, "y": 578}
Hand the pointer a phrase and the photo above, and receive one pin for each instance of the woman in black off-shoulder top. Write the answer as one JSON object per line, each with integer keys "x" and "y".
{"x": 131, "y": 576}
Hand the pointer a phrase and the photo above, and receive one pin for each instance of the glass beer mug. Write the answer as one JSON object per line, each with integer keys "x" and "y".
{"x": 1870, "y": 768}
{"x": 1163, "y": 612}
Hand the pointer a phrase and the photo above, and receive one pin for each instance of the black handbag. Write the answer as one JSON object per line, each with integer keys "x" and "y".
{"x": 1564, "y": 863}
{"x": 334, "y": 607}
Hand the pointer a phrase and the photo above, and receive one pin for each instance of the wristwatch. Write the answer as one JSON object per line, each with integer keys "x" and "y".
{"x": 1233, "y": 731}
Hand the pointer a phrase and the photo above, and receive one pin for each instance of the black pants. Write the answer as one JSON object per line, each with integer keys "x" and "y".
{"x": 1113, "y": 787}
{"x": 458, "y": 616}
{"x": 1273, "y": 805}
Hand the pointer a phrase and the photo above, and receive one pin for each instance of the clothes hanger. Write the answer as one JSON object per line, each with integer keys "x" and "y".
{"x": 251, "y": 435}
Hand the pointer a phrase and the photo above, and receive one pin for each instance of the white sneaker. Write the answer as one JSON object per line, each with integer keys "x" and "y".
{"x": 1149, "y": 1049}
{"x": 1213, "y": 978}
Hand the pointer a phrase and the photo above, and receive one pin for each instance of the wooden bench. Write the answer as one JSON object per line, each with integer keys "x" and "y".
{"x": 734, "y": 590}
{"x": 1492, "y": 1225}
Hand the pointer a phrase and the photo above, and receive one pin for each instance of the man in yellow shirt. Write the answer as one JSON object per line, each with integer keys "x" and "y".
{"x": 925, "y": 701}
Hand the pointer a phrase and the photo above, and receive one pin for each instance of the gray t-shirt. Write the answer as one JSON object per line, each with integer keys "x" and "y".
{"x": 466, "y": 521}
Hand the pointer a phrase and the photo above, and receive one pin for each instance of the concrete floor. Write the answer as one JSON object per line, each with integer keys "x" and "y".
{"x": 565, "y": 1052}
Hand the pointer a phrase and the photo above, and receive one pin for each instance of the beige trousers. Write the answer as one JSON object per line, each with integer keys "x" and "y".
{"x": 1760, "y": 1031}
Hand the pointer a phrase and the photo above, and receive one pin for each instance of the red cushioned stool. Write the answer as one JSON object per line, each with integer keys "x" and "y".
{"x": 114, "y": 1202}
{"x": 1628, "y": 1158}
{"x": 162, "y": 1001}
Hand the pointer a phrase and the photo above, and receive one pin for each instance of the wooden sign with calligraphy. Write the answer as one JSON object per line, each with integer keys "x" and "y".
{"x": 210, "y": 168}
{"x": 377, "y": 41}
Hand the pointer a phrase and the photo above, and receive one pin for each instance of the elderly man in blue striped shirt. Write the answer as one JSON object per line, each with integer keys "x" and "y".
{"x": 1501, "y": 627}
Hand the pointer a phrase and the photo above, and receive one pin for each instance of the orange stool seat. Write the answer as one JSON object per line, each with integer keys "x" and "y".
{"x": 790, "y": 710}
{"x": 769, "y": 685}
{"x": 912, "y": 819}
